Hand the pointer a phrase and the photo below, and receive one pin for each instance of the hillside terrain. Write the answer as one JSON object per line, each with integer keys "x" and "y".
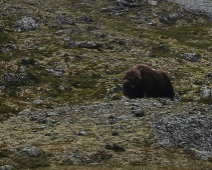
{"x": 62, "y": 106}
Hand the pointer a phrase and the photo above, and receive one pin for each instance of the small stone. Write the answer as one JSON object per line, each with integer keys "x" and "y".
{"x": 75, "y": 159}
{"x": 138, "y": 113}
{"x": 8, "y": 48}
{"x": 115, "y": 133}
{"x": 37, "y": 101}
{"x": 70, "y": 43}
{"x": 6, "y": 167}
{"x": 24, "y": 112}
{"x": 111, "y": 117}
{"x": 2, "y": 155}
{"x": 114, "y": 147}
{"x": 66, "y": 31}
{"x": 190, "y": 57}
{"x": 89, "y": 44}
{"x": 206, "y": 92}
{"x": 81, "y": 133}
{"x": 56, "y": 72}
{"x": 84, "y": 18}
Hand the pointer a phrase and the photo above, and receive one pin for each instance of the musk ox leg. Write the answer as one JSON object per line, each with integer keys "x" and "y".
{"x": 169, "y": 91}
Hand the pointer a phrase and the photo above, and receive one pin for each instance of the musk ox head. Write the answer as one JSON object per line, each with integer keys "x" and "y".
{"x": 132, "y": 83}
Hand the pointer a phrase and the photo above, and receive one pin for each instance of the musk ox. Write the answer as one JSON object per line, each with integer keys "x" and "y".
{"x": 142, "y": 82}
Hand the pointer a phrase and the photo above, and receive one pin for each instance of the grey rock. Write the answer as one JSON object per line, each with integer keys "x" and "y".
{"x": 89, "y": 44}
{"x": 6, "y": 167}
{"x": 24, "y": 112}
{"x": 84, "y": 18}
{"x": 75, "y": 159}
{"x": 169, "y": 18}
{"x": 62, "y": 88}
{"x": 52, "y": 114}
{"x": 114, "y": 147}
{"x": 23, "y": 69}
{"x": 8, "y": 48}
{"x": 30, "y": 151}
{"x": 203, "y": 155}
{"x": 129, "y": 3}
{"x": 2, "y": 154}
{"x": 115, "y": 10}
{"x": 190, "y": 57}
{"x": 66, "y": 31}
{"x": 33, "y": 47}
{"x": 55, "y": 71}
{"x": 208, "y": 75}
{"x": 81, "y": 133}
{"x": 138, "y": 113}
{"x": 206, "y": 92}
{"x": 64, "y": 20}
{"x": 37, "y": 101}
{"x": 27, "y": 61}
{"x": 68, "y": 42}
{"x": 203, "y": 7}
{"x": 115, "y": 133}
{"x": 25, "y": 24}
{"x": 15, "y": 79}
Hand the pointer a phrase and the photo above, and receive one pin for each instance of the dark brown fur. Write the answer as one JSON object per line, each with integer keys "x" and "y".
{"x": 142, "y": 82}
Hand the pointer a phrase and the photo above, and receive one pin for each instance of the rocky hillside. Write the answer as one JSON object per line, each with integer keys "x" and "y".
{"x": 61, "y": 97}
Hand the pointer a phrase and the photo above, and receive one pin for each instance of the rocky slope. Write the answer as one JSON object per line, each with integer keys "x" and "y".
{"x": 202, "y": 7}
{"x": 61, "y": 98}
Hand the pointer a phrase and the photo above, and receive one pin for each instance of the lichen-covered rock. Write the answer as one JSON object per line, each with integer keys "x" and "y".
{"x": 168, "y": 18}
{"x": 206, "y": 92}
{"x": 25, "y": 24}
{"x": 15, "y": 79}
{"x": 7, "y": 48}
{"x": 6, "y": 167}
{"x": 202, "y": 7}
{"x": 75, "y": 159}
{"x": 31, "y": 151}
{"x": 190, "y": 57}
{"x": 188, "y": 131}
{"x": 25, "y": 112}
{"x": 37, "y": 101}
{"x": 70, "y": 43}
{"x": 55, "y": 71}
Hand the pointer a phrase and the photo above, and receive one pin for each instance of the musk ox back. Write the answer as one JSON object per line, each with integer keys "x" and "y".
{"x": 142, "y": 82}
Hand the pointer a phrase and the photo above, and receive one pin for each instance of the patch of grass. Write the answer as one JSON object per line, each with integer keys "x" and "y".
{"x": 31, "y": 162}
{"x": 205, "y": 100}
{"x": 196, "y": 69}
{"x": 191, "y": 36}
{"x": 183, "y": 91}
